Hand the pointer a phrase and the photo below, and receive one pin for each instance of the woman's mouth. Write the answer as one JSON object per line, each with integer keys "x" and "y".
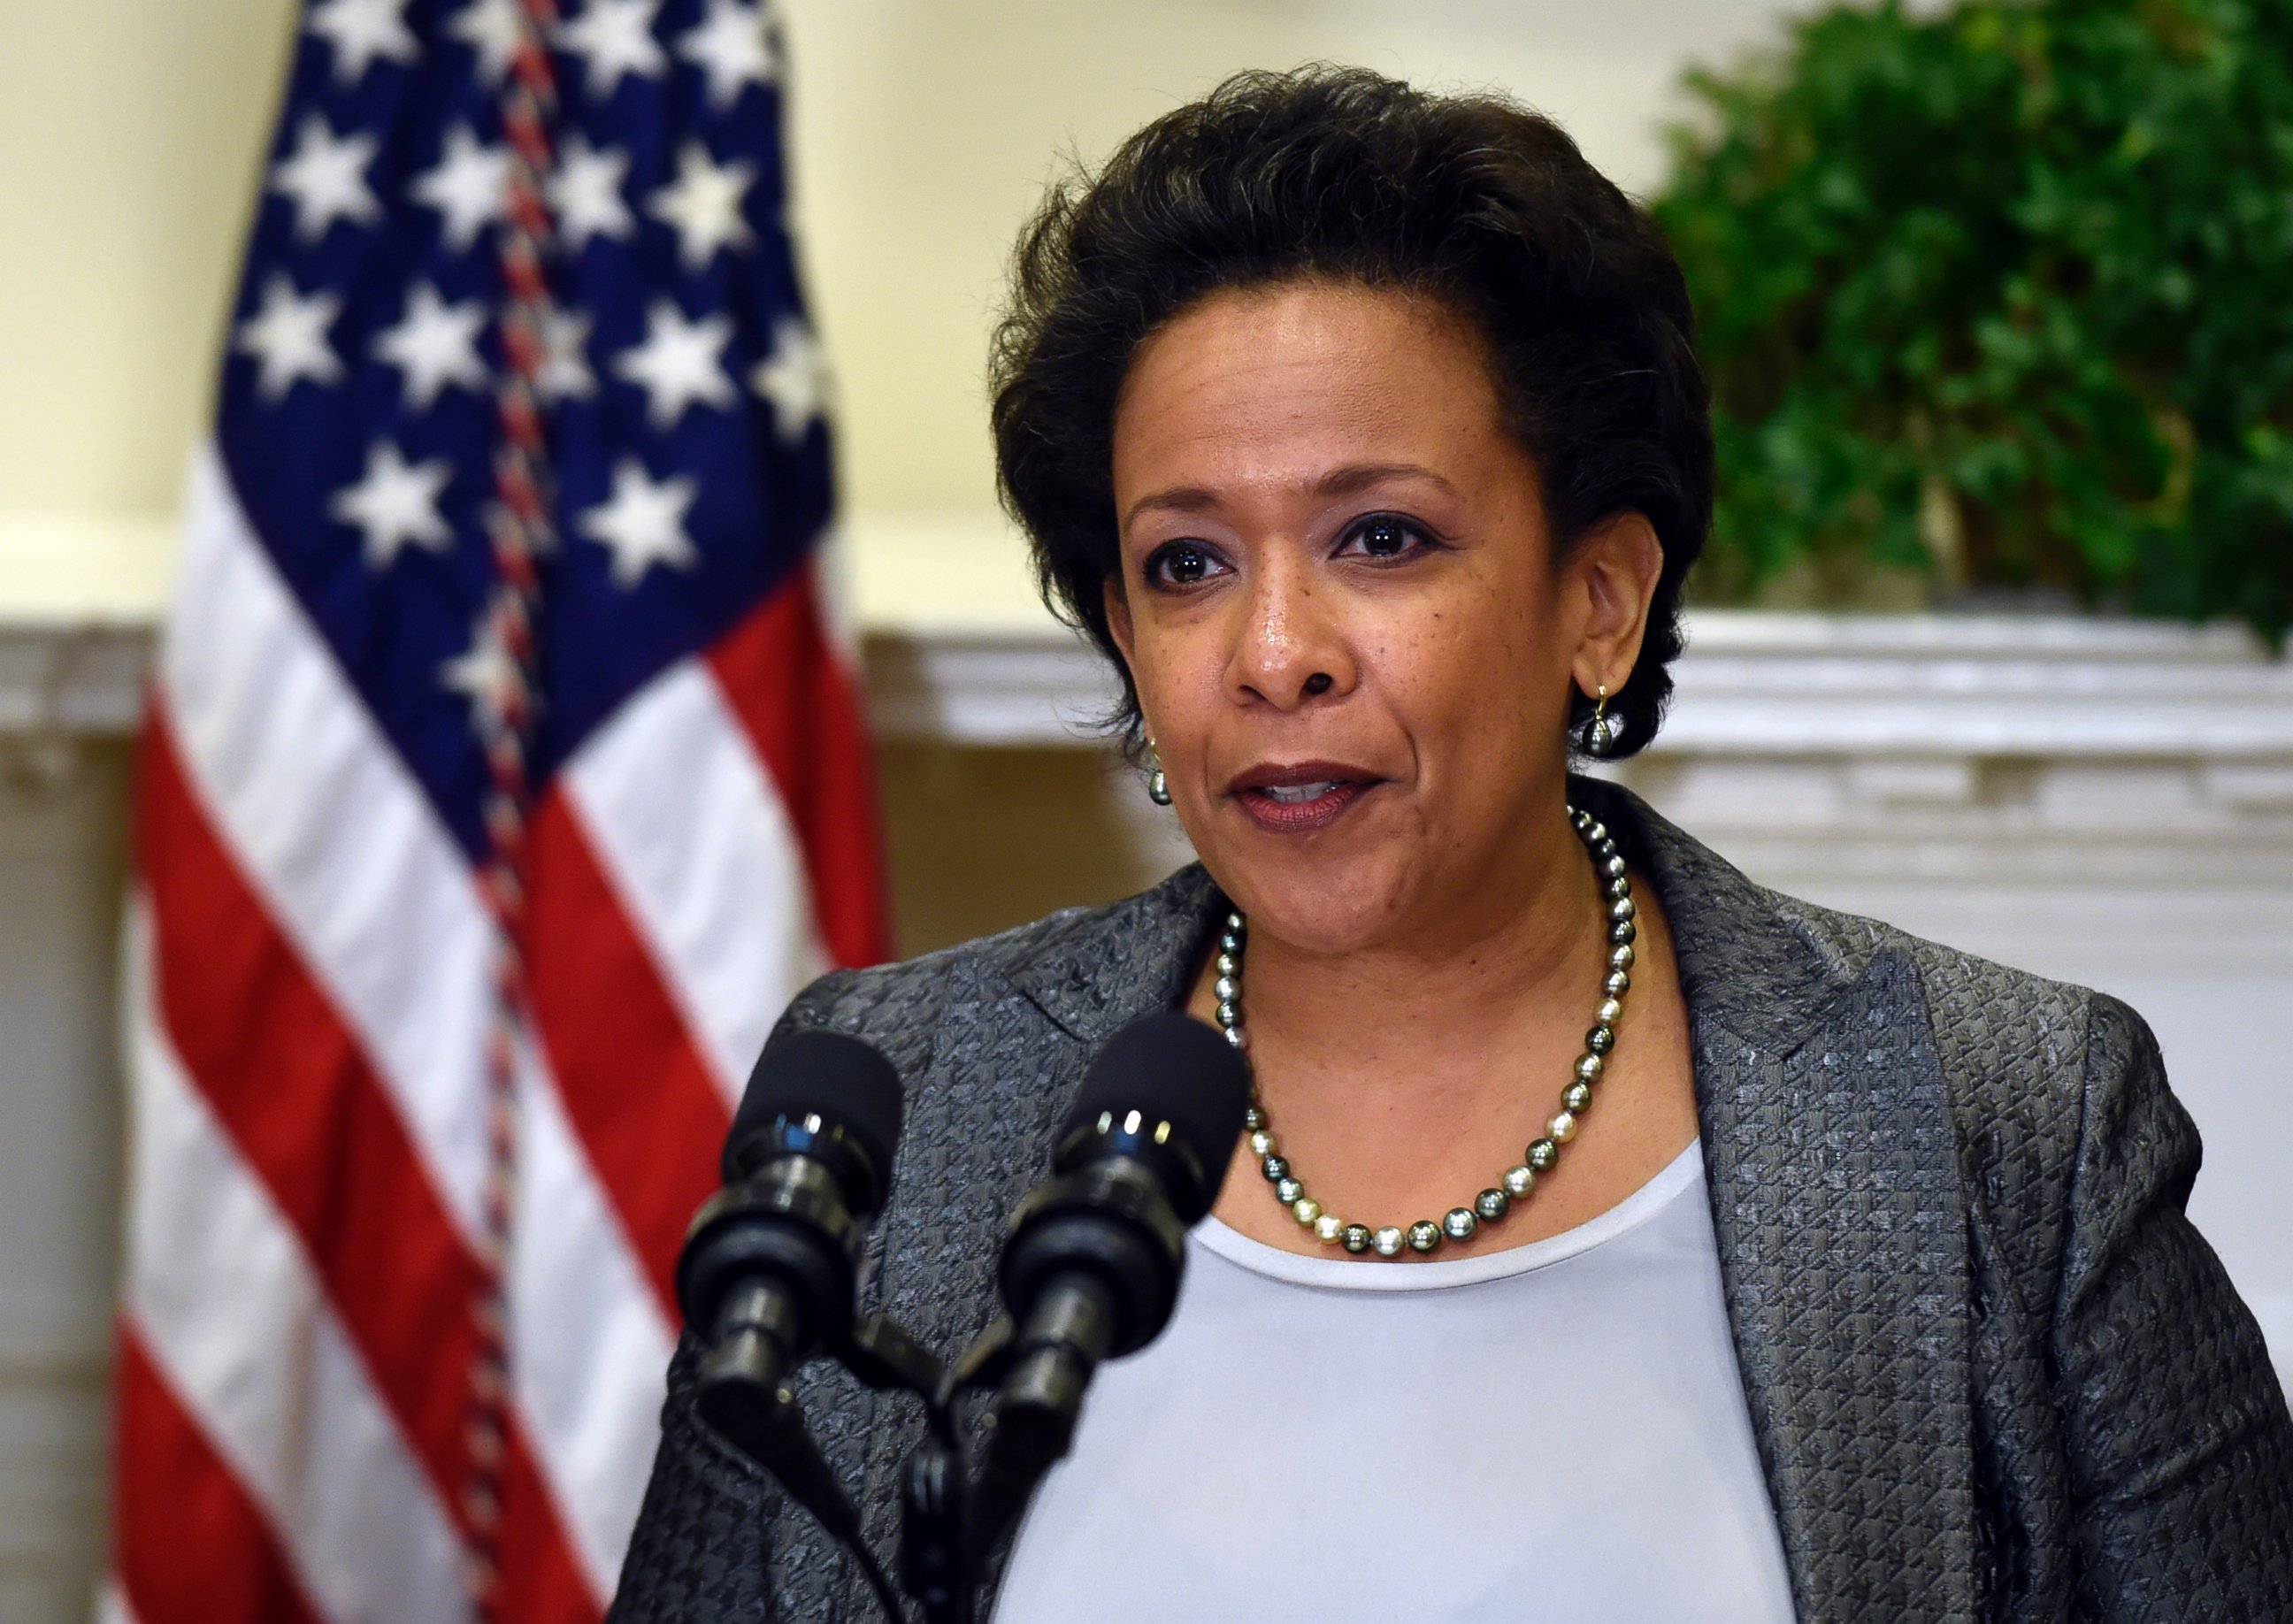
{"x": 1293, "y": 795}
{"x": 1299, "y": 799}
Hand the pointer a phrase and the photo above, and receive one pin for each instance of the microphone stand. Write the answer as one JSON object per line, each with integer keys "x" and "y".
{"x": 952, "y": 1520}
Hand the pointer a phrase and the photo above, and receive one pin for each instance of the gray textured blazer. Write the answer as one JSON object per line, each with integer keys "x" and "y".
{"x": 1993, "y": 1371}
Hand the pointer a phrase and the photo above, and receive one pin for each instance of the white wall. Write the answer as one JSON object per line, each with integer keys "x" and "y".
{"x": 131, "y": 132}
{"x": 925, "y": 132}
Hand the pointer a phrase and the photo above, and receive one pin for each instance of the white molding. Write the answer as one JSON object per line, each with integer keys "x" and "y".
{"x": 958, "y": 649}
{"x": 1899, "y": 689}
{"x": 66, "y": 677}
{"x": 1042, "y": 686}
{"x": 1996, "y": 748}
{"x": 1902, "y": 689}
{"x": 1986, "y": 686}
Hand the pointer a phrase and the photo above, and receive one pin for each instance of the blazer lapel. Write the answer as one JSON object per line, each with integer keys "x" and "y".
{"x": 1842, "y": 1226}
{"x": 1105, "y": 968}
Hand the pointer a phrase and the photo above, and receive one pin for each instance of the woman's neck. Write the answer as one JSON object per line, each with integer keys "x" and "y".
{"x": 1407, "y": 1026}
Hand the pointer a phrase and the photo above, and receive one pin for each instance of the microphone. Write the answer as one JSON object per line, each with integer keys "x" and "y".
{"x": 771, "y": 1265}
{"x": 1093, "y": 1256}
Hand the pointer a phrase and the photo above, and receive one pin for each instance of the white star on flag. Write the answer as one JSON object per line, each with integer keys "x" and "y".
{"x": 703, "y": 203}
{"x": 794, "y": 377}
{"x": 584, "y": 193}
{"x": 395, "y": 504}
{"x": 363, "y": 31}
{"x": 679, "y": 362}
{"x": 435, "y": 345}
{"x": 326, "y": 177}
{"x": 565, "y": 374}
{"x": 468, "y": 187}
{"x": 731, "y": 48}
{"x": 287, "y": 338}
{"x": 484, "y": 672}
{"x": 493, "y": 30}
{"x": 642, "y": 522}
{"x": 615, "y": 38}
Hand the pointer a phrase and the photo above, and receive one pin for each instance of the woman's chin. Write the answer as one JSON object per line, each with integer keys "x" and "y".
{"x": 1327, "y": 908}
{"x": 1349, "y": 885}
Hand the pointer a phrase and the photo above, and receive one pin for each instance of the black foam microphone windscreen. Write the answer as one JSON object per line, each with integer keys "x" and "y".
{"x": 1170, "y": 1068}
{"x": 817, "y": 1073}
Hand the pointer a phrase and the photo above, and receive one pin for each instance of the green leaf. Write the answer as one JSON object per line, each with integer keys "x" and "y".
{"x": 2041, "y": 252}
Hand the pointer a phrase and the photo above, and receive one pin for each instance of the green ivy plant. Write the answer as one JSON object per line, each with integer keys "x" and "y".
{"x": 2003, "y": 294}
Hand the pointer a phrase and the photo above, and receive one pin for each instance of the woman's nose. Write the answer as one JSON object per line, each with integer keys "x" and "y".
{"x": 1287, "y": 649}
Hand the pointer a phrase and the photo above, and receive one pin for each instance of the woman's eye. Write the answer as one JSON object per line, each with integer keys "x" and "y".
{"x": 1381, "y": 535}
{"x": 1181, "y": 563}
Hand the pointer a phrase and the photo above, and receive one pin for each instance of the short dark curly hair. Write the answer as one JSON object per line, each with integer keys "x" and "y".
{"x": 1339, "y": 173}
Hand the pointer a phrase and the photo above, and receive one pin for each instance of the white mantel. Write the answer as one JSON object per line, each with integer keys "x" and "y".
{"x": 2107, "y": 802}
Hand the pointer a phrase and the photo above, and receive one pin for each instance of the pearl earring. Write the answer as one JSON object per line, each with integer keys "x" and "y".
{"x": 1158, "y": 786}
{"x": 1603, "y": 731}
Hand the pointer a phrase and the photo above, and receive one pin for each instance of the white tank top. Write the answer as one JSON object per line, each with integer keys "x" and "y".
{"x": 1553, "y": 1432}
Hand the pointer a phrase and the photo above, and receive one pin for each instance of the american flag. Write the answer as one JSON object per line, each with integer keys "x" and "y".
{"x": 503, "y": 778}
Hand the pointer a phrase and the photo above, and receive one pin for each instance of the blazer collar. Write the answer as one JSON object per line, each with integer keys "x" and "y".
{"x": 1830, "y": 1154}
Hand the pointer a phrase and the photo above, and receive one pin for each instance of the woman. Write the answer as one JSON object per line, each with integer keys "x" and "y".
{"x": 1617, "y": 1239}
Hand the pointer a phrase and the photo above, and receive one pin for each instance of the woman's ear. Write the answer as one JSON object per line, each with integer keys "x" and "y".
{"x": 1617, "y": 567}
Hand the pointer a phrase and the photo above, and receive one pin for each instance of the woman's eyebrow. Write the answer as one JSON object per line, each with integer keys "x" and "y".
{"x": 1337, "y": 482}
{"x": 1178, "y": 499}
{"x": 1358, "y": 476}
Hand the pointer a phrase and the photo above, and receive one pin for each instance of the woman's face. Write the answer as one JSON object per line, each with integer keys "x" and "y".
{"x": 1343, "y": 615}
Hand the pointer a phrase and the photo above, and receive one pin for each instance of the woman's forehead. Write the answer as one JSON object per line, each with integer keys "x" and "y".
{"x": 1303, "y": 387}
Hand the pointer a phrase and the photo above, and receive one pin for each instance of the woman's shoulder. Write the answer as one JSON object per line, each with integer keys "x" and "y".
{"x": 2028, "y": 1062}
{"x": 1779, "y": 963}
{"x": 1987, "y": 1015}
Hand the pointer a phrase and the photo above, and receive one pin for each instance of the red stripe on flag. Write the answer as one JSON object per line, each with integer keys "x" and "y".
{"x": 192, "y": 1548}
{"x": 539, "y": 1584}
{"x": 635, "y": 1085}
{"x": 277, "y": 1065}
{"x": 801, "y": 711}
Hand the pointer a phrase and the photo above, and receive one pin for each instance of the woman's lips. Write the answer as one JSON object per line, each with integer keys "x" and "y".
{"x": 1291, "y": 808}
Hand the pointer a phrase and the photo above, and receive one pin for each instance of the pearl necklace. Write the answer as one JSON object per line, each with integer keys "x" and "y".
{"x": 1461, "y": 1222}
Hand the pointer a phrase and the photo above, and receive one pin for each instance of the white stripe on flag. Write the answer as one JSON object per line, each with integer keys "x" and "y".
{"x": 287, "y": 758}
{"x": 587, "y": 1348}
{"x": 831, "y": 566}
{"x": 688, "y": 825}
{"x": 232, "y": 1314}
